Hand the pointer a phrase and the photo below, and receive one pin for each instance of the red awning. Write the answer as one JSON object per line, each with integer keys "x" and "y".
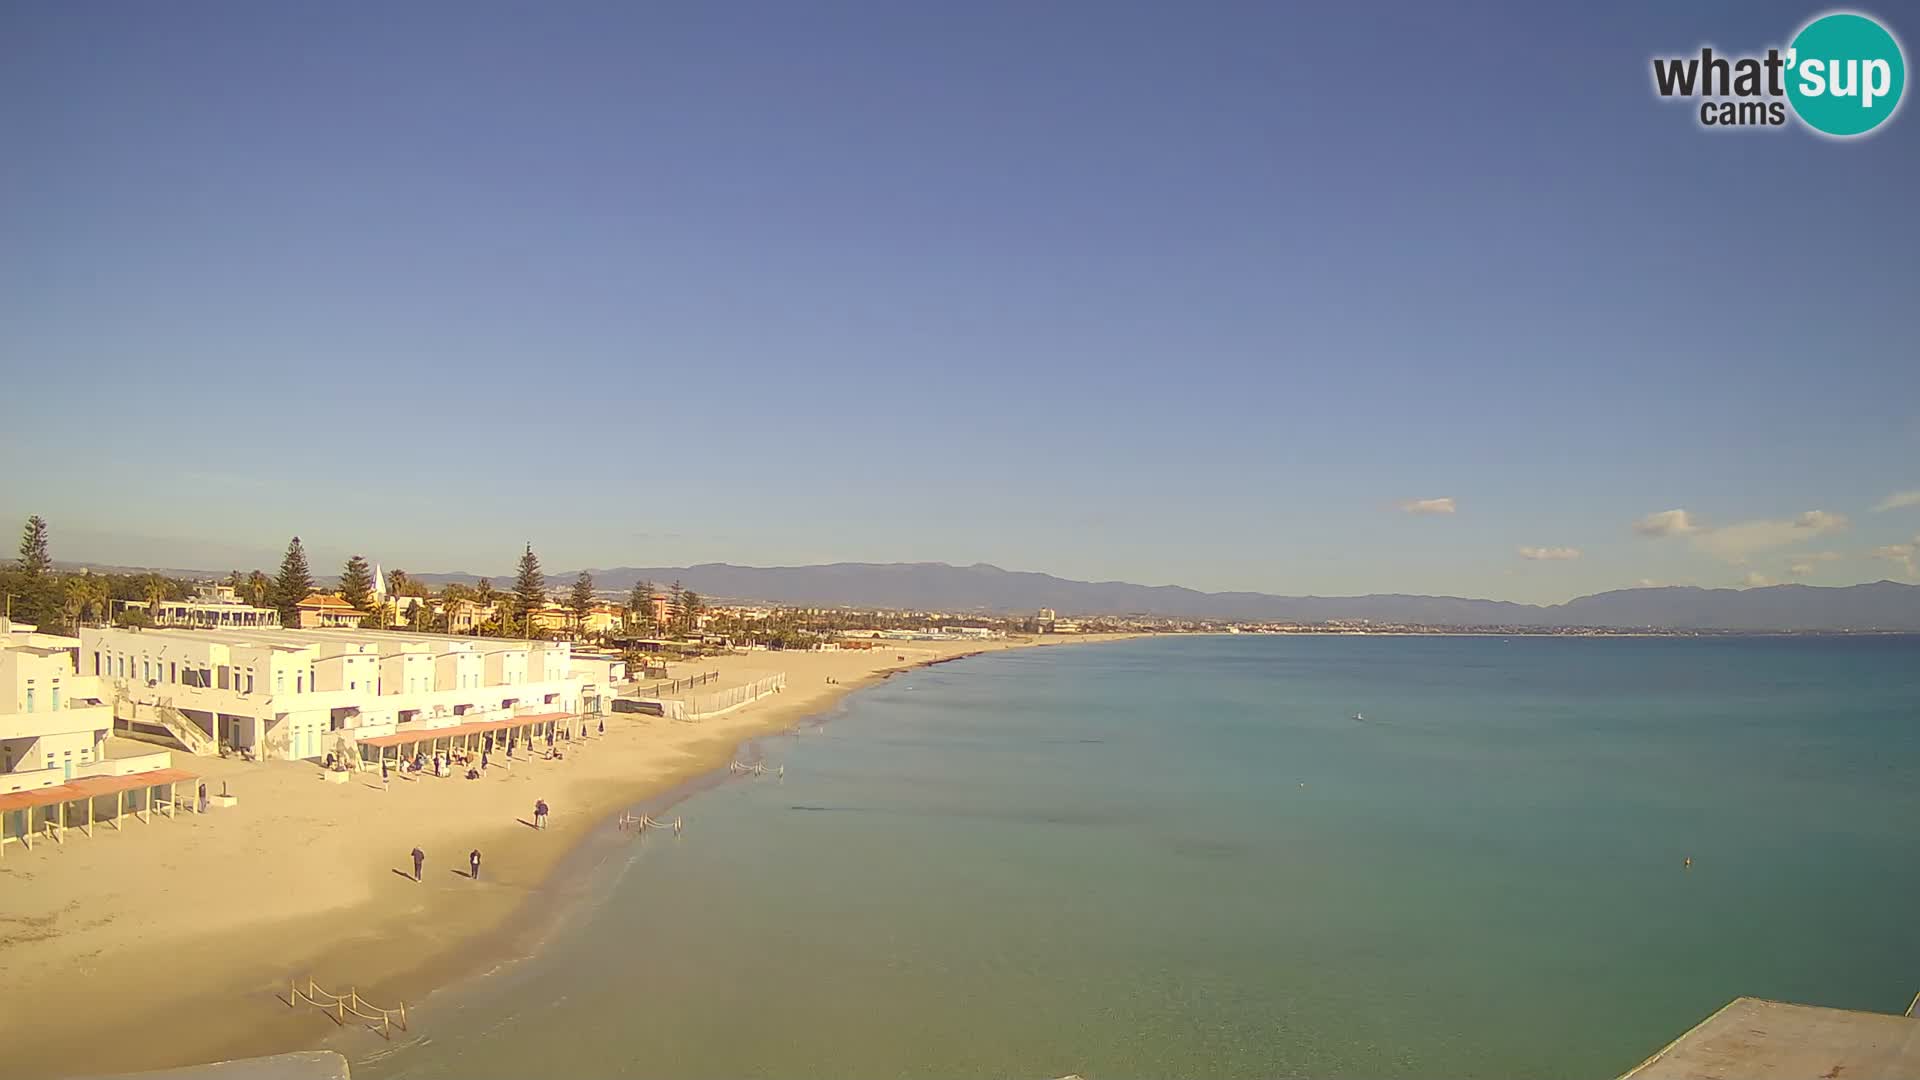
{"x": 88, "y": 787}
{"x": 477, "y": 727}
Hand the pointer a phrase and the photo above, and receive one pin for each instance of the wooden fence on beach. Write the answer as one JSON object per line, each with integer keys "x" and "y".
{"x": 677, "y": 686}
{"x": 339, "y": 1007}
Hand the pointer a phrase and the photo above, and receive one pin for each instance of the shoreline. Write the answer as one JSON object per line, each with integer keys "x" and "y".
{"x": 206, "y": 920}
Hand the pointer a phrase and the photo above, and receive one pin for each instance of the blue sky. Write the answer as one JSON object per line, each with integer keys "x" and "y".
{"x": 1202, "y": 294}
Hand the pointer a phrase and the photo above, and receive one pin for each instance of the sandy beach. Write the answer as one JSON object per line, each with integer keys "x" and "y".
{"x": 171, "y": 942}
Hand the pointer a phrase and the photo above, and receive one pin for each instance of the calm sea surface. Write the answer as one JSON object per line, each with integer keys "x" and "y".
{"x": 1185, "y": 857}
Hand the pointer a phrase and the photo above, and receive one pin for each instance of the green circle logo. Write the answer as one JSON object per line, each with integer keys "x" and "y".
{"x": 1845, "y": 74}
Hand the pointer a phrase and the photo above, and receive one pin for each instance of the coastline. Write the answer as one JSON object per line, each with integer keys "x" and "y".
{"x": 205, "y": 920}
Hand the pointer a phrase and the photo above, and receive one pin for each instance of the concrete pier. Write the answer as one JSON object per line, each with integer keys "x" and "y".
{"x": 301, "y": 1065}
{"x": 1750, "y": 1037}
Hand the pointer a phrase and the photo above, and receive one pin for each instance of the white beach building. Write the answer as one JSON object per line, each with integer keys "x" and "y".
{"x": 212, "y": 606}
{"x": 53, "y": 721}
{"x": 285, "y": 693}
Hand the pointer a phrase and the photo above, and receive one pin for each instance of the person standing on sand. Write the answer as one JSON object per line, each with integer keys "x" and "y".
{"x": 603, "y": 727}
{"x": 540, "y": 814}
{"x": 386, "y": 777}
{"x": 203, "y": 798}
{"x": 484, "y": 755}
{"x": 419, "y": 858}
{"x": 473, "y": 864}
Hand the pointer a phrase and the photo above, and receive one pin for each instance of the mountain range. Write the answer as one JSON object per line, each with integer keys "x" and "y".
{"x": 1881, "y": 605}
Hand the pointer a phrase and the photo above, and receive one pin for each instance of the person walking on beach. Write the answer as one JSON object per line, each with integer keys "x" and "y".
{"x": 484, "y": 754}
{"x": 473, "y": 864}
{"x": 603, "y": 727}
{"x": 386, "y": 776}
{"x": 540, "y": 814}
{"x": 203, "y": 798}
{"x": 419, "y": 858}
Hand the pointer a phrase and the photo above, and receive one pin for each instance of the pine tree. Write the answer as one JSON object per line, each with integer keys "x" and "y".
{"x": 640, "y": 605}
{"x": 35, "y": 599}
{"x": 293, "y": 584}
{"x": 690, "y": 610}
{"x": 581, "y": 601}
{"x": 356, "y": 584}
{"x": 529, "y": 589}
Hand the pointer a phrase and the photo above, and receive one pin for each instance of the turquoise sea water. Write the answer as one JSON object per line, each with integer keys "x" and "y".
{"x": 1184, "y": 857}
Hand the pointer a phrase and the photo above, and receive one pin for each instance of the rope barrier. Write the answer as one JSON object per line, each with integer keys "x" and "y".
{"x": 337, "y": 1006}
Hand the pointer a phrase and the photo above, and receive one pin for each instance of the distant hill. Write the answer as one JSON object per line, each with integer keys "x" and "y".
{"x": 1882, "y": 605}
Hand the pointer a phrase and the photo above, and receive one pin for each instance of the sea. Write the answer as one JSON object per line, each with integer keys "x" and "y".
{"x": 1244, "y": 856}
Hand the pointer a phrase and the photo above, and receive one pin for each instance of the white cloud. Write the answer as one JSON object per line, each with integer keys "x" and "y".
{"x": 1821, "y": 521}
{"x": 1735, "y": 543}
{"x": 1549, "y": 554}
{"x": 1902, "y": 554}
{"x": 1803, "y": 563}
{"x": 1429, "y": 506}
{"x": 1666, "y": 523}
{"x": 1899, "y": 500}
{"x": 1755, "y": 580}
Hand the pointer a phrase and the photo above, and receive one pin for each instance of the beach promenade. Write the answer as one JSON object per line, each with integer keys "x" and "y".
{"x": 178, "y": 944}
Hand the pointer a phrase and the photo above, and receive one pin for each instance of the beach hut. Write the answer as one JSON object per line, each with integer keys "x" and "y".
{"x": 48, "y": 813}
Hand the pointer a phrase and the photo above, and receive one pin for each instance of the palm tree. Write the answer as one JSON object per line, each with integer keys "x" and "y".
{"x": 100, "y": 598}
{"x": 155, "y": 590}
{"x": 76, "y": 592}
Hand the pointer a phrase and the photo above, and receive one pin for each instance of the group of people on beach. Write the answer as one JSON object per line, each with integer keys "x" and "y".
{"x": 473, "y": 863}
{"x": 443, "y": 764}
{"x": 540, "y": 812}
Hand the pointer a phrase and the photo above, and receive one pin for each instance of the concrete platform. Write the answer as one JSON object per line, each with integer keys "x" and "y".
{"x": 1750, "y": 1037}
{"x": 302, "y": 1065}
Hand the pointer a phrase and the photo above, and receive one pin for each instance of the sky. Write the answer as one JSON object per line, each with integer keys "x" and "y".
{"x": 1357, "y": 298}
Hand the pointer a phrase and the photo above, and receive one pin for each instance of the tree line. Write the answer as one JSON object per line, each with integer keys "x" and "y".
{"x": 35, "y": 592}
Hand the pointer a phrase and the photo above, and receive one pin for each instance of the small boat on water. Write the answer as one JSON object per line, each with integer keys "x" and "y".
{"x": 1359, "y": 718}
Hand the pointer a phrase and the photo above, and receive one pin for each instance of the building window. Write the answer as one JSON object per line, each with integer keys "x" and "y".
{"x": 279, "y": 682}
{"x": 249, "y": 680}
{"x": 56, "y": 699}
{"x": 29, "y": 699}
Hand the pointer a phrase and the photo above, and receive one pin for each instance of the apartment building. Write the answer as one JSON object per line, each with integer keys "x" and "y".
{"x": 53, "y": 723}
{"x": 284, "y": 693}
{"x": 600, "y": 619}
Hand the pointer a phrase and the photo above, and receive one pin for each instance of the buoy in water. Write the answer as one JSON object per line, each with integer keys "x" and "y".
{"x": 1687, "y": 862}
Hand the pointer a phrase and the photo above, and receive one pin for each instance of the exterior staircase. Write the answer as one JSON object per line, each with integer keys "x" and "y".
{"x": 191, "y": 736}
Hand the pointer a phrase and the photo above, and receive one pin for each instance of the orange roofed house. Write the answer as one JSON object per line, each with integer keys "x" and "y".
{"x": 325, "y": 610}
